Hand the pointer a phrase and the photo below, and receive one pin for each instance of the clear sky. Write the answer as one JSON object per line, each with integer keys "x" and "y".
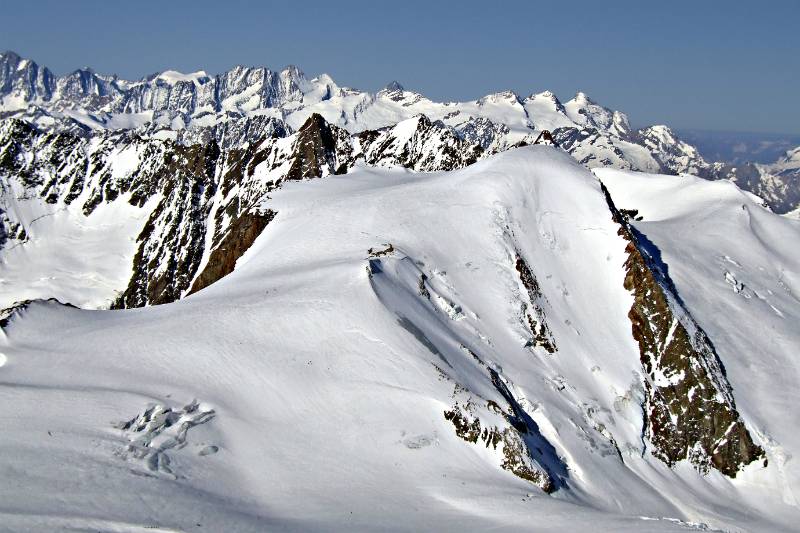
{"x": 707, "y": 64}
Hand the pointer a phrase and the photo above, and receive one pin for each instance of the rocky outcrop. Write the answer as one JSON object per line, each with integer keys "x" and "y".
{"x": 515, "y": 454}
{"x": 690, "y": 413}
{"x": 240, "y": 236}
{"x": 532, "y": 309}
{"x": 319, "y": 149}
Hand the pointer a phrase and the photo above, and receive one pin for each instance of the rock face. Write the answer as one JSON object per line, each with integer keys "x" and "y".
{"x": 239, "y": 237}
{"x": 172, "y": 242}
{"x": 689, "y": 408}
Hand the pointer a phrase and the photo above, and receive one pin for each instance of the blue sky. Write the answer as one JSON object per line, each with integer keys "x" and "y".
{"x": 718, "y": 65}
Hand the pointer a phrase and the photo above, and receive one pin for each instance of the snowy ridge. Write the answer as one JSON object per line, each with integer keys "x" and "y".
{"x": 376, "y": 335}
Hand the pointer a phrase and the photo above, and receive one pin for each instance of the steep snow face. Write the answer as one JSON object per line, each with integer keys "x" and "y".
{"x": 587, "y": 113}
{"x": 547, "y": 112}
{"x": 453, "y": 343}
{"x": 673, "y": 153}
{"x": 64, "y": 254}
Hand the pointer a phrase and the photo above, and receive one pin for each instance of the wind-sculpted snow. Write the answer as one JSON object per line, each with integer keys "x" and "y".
{"x": 369, "y": 360}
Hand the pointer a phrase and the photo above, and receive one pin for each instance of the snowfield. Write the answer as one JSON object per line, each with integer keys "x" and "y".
{"x": 320, "y": 386}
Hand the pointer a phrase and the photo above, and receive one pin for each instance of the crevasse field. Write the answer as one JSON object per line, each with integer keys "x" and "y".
{"x": 307, "y": 390}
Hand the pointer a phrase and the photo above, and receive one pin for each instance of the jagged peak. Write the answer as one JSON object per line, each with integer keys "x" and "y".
{"x": 420, "y": 120}
{"x": 82, "y": 70}
{"x": 315, "y": 121}
{"x": 292, "y": 72}
{"x": 20, "y": 62}
{"x": 10, "y": 55}
{"x": 240, "y": 67}
{"x": 394, "y": 86}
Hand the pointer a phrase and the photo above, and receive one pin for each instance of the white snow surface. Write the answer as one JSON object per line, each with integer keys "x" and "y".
{"x": 85, "y": 261}
{"x": 328, "y": 384}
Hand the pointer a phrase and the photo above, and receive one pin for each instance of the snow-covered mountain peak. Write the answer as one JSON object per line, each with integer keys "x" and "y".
{"x": 507, "y": 96}
{"x": 620, "y": 125}
{"x": 393, "y": 86}
{"x": 582, "y": 99}
{"x": 323, "y": 79}
{"x": 584, "y": 111}
{"x": 544, "y": 96}
{"x": 172, "y": 77}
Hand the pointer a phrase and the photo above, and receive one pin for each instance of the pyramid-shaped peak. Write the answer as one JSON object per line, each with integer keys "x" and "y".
{"x": 293, "y": 72}
{"x": 393, "y": 85}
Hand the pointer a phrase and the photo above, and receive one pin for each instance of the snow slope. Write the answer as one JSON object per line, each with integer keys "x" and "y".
{"x": 310, "y": 389}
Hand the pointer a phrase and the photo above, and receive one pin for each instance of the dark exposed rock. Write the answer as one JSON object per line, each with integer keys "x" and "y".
{"x": 319, "y": 147}
{"x": 516, "y": 455}
{"x": 374, "y": 252}
{"x": 690, "y": 412}
{"x": 546, "y": 138}
{"x": 422, "y": 288}
{"x": 240, "y": 236}
{"x": 172, "y": 243}
{"x": 534, "y": 313}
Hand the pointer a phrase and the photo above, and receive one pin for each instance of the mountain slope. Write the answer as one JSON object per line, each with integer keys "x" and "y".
{"x": 405, "y": 351}
{"x": 181, "y": 205}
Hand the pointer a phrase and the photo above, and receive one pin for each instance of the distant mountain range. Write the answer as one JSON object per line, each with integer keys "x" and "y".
{"x": 244, "y": 104}
{"x": 736, "y": 147}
